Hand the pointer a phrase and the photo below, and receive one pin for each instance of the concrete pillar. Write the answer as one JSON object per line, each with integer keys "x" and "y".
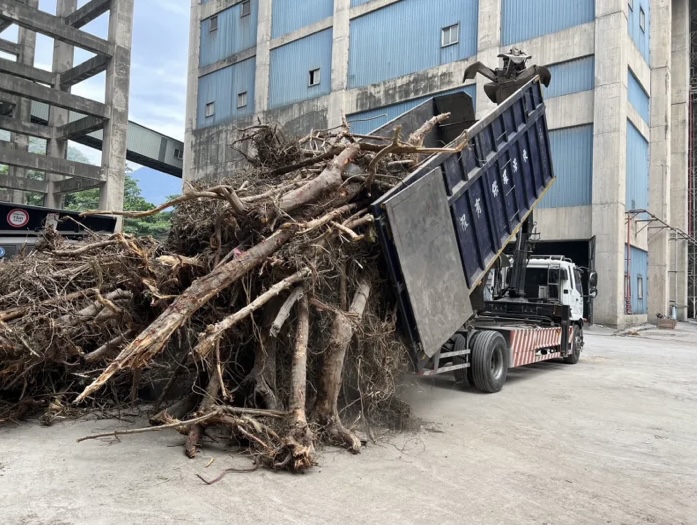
{"x": 680, "y": 87}
{"x": 488, "y": 48}
{"x": 263, "y": 59}
{"x": 118, "y": 79}
{"x": 660, "y": 158}
{"x": 609, "y": 159}
{"x": 192, "y": 91}
{"x": 27, "y": 47}
{"x": 63, "y": 58}
{"x": 340, "y": 61}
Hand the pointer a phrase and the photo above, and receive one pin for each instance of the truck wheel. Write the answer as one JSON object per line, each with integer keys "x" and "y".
{"x": 488, "y": 361}
{"x": 461, "y": 374}
{"x": 576, "y": 346}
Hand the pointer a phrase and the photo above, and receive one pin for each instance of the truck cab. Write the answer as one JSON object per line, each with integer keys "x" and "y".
{"x": 556, "y": 277}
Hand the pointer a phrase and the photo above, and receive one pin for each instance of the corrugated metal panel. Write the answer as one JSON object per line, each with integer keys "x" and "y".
{"x": 637, "y": 96}
{"x": 235, "y": 33}
{"x": 290, "y": 15}
{"x": 291, "y": 65}
{"x": 572, "y": 156}
{"x": 354, "y": 3}
{"x": 405, "y": 38}
{"x": 637, "y": 194}
{"x": 639, "y": 268}
{"x": 222, "y": 88}
{"x": 525, "y": 19}
{"x": 366, "y": 121}
{"x": 573, "y": 76}
{"x": 639, "y": 37}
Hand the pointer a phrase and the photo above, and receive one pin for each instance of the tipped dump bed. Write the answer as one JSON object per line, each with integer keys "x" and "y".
{"x": 448, "y": 222}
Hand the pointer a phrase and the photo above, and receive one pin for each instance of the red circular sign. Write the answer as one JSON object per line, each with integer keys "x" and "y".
{"x": 18, "y": 218}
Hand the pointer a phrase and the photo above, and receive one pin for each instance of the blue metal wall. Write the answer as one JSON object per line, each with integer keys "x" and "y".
{"x": 234, "y": 34}
{"x": 366, "y": 121}
{"x": 222, "y": 87}
{"x": 637, "y": 195}
{"x": 640, "y": 38}
{"x": 571, "y": 77}
{"x": 291, "y": 65}
{"x": 525, "y": 19}
{"x": 290, "y": 15}
{"x": 405, "y": 38}
{"x": 572, "y": 157}
{"x": 637, "y": 96}
{"x": 639, "y": 268}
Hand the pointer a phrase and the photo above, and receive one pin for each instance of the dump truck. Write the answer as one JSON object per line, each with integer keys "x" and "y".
{"x": 456, "y": 238}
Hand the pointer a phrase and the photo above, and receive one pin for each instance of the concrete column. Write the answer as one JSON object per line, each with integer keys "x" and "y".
{"x": 660, "y": 158}
{"x": 340, "y": 61}
{"x": 192, "y": 91}
{"x": 488, "y": 48}
{"x": 118, "y": 79}
{"x": 680, "y": 87}
{"x": 263, "y": 59}
{"x": 609, "y": 159}
{"x": 27, "y": 47}
{"x": 63, "y": 58}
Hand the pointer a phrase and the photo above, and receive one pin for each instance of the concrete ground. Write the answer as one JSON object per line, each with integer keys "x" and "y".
{"x": 611, "y": 440}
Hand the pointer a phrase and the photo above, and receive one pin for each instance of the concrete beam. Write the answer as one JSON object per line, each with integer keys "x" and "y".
{"x": 52, "y": 26}
{"x": 22, "y": 183}
{"x": 25, "y": 128}
{"x": 33, "y": 161}
{"x": 87, "y": 69}
{"x": 78, "y": 128}
{"x": 75, "y": 184}
{"x": 27, "y": 89}
{"x": 88, "y": 12}
{"x": 28, "y": 72}
{"x": 9, "y": 47}
{"x": 4, "y": 24}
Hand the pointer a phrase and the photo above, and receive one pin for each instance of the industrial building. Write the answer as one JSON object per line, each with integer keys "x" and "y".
{"x": 618, "y": 108}
{"x": 37, "y": 102}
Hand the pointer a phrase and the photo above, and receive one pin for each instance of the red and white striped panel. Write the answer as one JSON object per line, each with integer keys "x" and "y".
{"x": 526, "y": 342}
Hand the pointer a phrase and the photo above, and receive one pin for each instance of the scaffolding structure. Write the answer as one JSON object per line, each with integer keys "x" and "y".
{"x": 692, "y": 173}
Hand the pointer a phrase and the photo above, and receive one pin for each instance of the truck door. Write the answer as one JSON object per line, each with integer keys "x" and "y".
{"x": 576, "y": 302}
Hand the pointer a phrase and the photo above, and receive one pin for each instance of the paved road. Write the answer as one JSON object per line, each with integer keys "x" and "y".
{"x": 611, "y": 440}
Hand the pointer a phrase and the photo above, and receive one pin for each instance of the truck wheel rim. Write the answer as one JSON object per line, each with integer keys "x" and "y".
{"x": 496, "y": 363}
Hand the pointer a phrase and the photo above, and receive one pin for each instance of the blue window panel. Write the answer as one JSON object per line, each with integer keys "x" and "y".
{"x": 639, "y": 37}
{"x": 354, "y": 3}
{"x": 222, "y": 88}
{"x": 638, "y": 97}
{"x": 235, "y": 33}
{"x": 572, "y": 158}
{"x": 573, "y": 76}
{"x": 525, "y": 19}
{"x": 637, "y": 195}
{"x": 366, "y": 121}
{"x": 639, "y": 271}
{"x": 405, "y": 38}
{"x": 291, "y": 15}
{"x": 291, "y": 65}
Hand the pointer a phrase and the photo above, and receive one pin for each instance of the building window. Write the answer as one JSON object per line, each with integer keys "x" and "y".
{"x": 631, "y": 4}
{"x": 242, "y": 99}
{"x": 210, "y": 109}
{"x": 246, "y": 8}
{"x": 450, "y": 35}
{"x": 314, "y": 78}
{"x": 178, "y": 154}
{"x": 640, "y": 287}
{"x": 642, "y": 19}
{"x": 213, "y": 24}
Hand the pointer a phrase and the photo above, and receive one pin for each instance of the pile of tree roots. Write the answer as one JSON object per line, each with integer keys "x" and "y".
{"x": 266, "y": 317}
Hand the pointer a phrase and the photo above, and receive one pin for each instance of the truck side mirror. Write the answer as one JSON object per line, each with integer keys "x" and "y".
{"x": 593, "y": 280}
{"x": 593, "y": 293}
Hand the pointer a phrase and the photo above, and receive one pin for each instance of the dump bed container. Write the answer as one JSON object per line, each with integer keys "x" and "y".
{"x": 448, "y": 222}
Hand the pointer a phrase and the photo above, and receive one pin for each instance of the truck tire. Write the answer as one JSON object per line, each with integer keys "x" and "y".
{"x": 489, "y": 362}
{"x": 576, "y": 346}
{"x": 462, "y": 374}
